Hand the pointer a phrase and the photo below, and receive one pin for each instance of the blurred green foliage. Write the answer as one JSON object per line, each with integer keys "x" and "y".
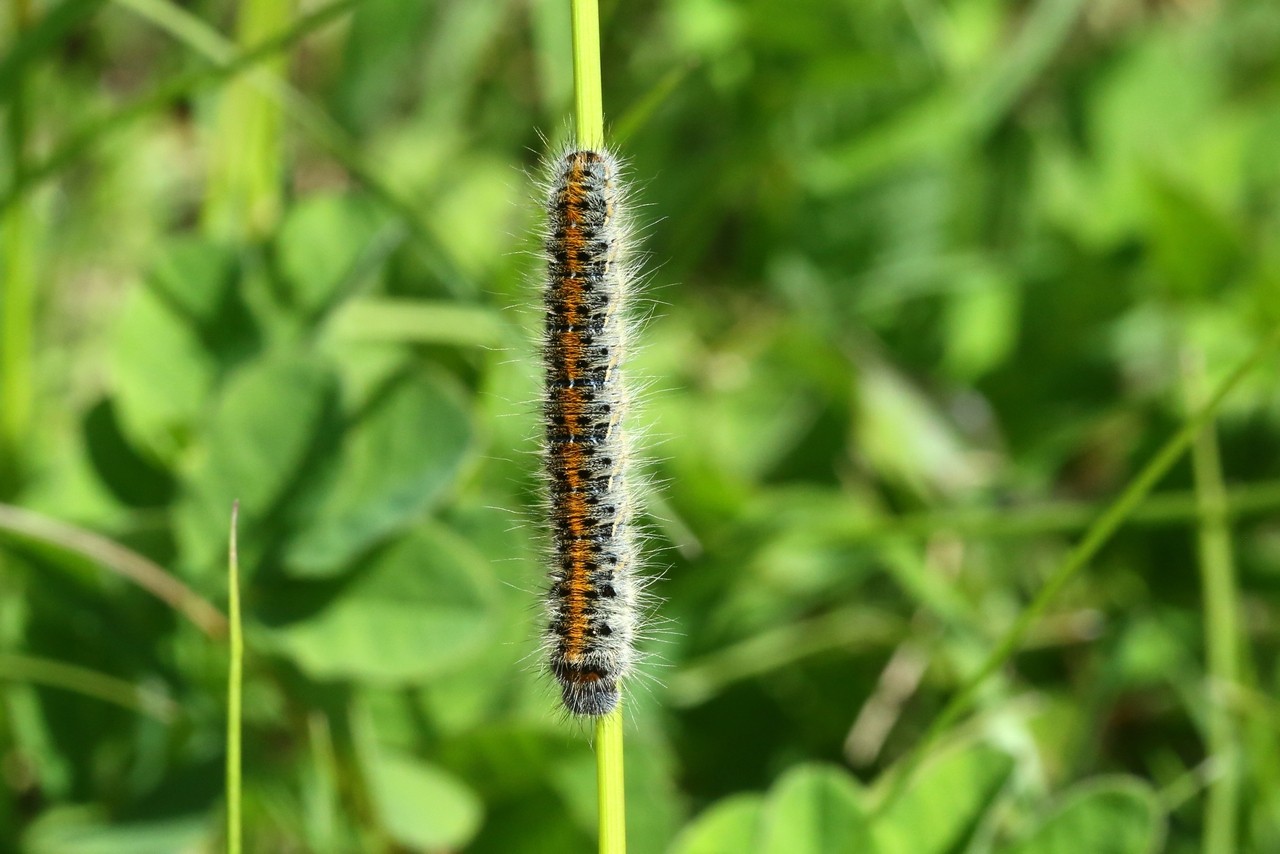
{"x": 926, "y": 280}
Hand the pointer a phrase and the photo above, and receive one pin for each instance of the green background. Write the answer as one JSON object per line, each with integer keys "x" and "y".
{"x": 927, "y": 285}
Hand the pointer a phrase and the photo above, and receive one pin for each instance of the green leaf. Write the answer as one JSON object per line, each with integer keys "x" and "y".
{"x": 266, "y": 424}
{"x": 319, "y": 247}
{"x": 727, "y": 827}
{"x": 1193, "y": 246}
{"x": 79, "y": 830}
{"x": 160, "y": 372}
{"x": 379, "y": 62}
{"x": 982, "y": 324}
{"x": 420, "y": 805}
{"x": 195, "y": 277}
{"x": 426, "y": 606}
{"x": 131, "y": 477}
{"x": 400, "y": 458}
{"x": 815, "y": 809}
{"x": 1118, "y": 815}
{"x": 942, "y": 808}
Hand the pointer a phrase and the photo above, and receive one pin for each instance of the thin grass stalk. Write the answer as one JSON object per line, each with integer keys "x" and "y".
{"x": 588, "y": 100}
{"x": 588, "y": 93}
{"x": 1222, "y": 629}
{"x": 234, "y": 683}
{"x": 18, "y": 291}
{"x": 245, "y": 180}
{"x": 1098, "y": 534}
{"x": 610, "y": 784}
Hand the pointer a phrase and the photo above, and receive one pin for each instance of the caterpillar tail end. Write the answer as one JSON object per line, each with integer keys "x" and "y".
{"x": 588, "y": 692}
{"x": 592, "y": 700}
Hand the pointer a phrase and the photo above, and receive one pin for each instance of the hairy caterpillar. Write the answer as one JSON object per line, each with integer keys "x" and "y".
{"x": 592, "y": 601}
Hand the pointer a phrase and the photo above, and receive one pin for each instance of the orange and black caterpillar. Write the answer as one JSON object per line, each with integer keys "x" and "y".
{"x": 592, "y": 601}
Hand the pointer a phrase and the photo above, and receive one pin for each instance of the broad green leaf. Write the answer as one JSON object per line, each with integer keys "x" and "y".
{"x": 1193, "y": 247}
{"x": 267, "y": 422}
{"x": 982, "y": 324}
{"x": 194, "y": 277}
{"x": 399, "y": 459}
{"x": 942, "y": 808}
{"x": 319, "y": 247}
{"x": 426, "y": 606}
{"x": 76, "y": 830}
{"x": 379, "y": 60}
{"x": 727, "y": 827}
{"x": 422, "y": 806}
{"x": 1118, "y": 815}
{"x": 160, "y": 373}
{"x": 531, "y": 824}
{"x": 385, "y": 320}
{"x": 815, "y": 809}
{"x": 132, "y": 478}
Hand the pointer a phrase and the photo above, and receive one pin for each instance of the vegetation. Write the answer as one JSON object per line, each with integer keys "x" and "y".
{"x": 964, "y": 403}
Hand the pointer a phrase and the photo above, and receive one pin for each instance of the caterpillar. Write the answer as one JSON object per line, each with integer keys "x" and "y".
{"x": 592, "y": 600}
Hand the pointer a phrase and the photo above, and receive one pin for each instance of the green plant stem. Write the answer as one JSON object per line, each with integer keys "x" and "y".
{"x": 588, "y": 97}
{"x": 589, "y": 128}
{"x": 246, "y": 173}
{"x": 18, "y": 292}
{"x": 1098, "y": 534}
{"x": 1222, "y": 629}
{"x": 234, "y": 678}
{"x": 610, "y": 789}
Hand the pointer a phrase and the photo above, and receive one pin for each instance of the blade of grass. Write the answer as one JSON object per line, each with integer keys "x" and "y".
{"x": 243, "y": 197}
{"x": 150, "y": 576}
{"x": 588, "y": 102}
{"x": 89, "y": 683}
{"x": 642, "y": 110}
{"x": 610, "y": 784}
{"x": 1222, "y": 629}
{"x": 588, "y": 92}
{"x": 234, "y": 677}
{"x": 1098, "y": 534}
{"x": 320, "y": 795}
{"x": 18, "y": 291}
